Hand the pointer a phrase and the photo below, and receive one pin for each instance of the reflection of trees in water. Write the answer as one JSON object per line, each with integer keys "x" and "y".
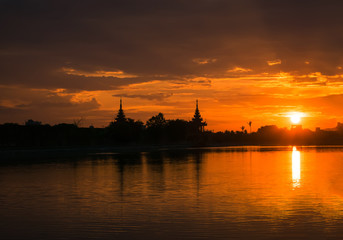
{"x": 198, "y": 158}
{"x": 183, "y": 157}
{"x": 126, "y": 163}
{"x": 156, "y": 169}
{"x": 156, "y": 164}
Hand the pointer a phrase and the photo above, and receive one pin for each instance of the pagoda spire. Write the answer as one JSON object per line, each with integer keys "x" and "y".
{"x": 197, "y": 120}
{"x": 120, "y": 116}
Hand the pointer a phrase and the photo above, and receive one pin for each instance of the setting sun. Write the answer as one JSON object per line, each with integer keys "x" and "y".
{"x": 295, "y": 117}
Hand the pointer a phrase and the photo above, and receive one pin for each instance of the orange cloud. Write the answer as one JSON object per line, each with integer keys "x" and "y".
{"x": 274, "y": 62}
{"x": 225, "y": 102}
{"x": 117, "y": 74}
{"x": 239, "y": 70}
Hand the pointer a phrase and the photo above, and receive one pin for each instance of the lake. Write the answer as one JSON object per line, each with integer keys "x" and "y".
{"x": 209, "y": 193}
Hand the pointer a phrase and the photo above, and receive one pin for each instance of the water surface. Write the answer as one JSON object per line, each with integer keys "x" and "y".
{"x": 212, "y": 193}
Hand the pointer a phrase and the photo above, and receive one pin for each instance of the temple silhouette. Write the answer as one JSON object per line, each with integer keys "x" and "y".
{"x": 157, "y": 130}
{"x": 120, "y": 116}
{"x": 197, "y": 120}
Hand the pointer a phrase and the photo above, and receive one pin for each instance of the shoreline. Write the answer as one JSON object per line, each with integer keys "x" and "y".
{"x": 55, "y": 152}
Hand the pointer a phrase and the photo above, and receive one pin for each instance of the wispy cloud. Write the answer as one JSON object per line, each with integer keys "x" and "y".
{"x": 161, "y": 55}
{"x": 117, "y": 74}
{"x": 239, "y": 70}
{"x": 51, "y": 106}
{"x": 148, "y": 96}
{"x": 203, "y": 61}
{"x": 274, "y": 62}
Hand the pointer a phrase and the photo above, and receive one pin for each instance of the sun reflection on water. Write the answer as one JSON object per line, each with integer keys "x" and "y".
{"x": 296, "y": 167}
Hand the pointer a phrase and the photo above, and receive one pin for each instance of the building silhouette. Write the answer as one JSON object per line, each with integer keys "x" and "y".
{"x": 120, "y": 116}
{"x": 197, "y": 121}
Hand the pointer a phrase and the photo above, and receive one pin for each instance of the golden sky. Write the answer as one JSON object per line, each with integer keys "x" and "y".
{"x": 249, "y": 60}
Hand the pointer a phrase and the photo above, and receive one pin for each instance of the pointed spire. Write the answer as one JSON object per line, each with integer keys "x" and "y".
{"x": 197, "y": 115}
{"x": 197, "y": 120}
{"x": 120, "y": 116}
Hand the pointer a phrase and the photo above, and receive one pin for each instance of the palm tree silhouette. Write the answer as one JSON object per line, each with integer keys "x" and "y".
{"x": 249, "y": 123}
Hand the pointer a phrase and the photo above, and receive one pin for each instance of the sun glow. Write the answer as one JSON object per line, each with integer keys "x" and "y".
{"x": 295, "y": 117}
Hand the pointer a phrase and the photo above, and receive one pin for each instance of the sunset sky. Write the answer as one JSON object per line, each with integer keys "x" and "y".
{"x": 244, "y": 60}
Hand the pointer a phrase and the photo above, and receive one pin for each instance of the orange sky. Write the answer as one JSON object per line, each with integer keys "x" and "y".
{"x": 249, "y": 60}
{"x": 230, "y": 102}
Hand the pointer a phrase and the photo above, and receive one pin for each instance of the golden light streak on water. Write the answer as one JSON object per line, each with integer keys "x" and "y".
{"x": 296, "y": 168}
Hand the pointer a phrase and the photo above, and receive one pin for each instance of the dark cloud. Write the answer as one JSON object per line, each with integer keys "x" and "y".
{"x": 148, "y": 38}
{"x": 22, "y": 104}
{"x": 189, "y": 44}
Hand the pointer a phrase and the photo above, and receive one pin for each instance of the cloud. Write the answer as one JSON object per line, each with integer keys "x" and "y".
{"x": 202, "y": 61}
{"x": 239, "y": 70}
{"x": 150, "y": 49}
{"x": 116, "y": 74}
{"x": 151, "y": 96}
{"x": 274, "y": 62}
{"x": 19, "y": 104}
{"x": 153, "y": 38}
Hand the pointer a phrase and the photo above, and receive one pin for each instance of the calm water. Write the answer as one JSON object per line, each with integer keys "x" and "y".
{"x": 218, "y": 193}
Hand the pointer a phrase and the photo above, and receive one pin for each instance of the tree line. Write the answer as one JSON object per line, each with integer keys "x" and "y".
{"x": 121, "y": 131}
{"x": 157, "y": 131}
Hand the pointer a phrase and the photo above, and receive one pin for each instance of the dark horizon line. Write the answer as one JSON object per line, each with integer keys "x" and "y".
{"x": 77, "y": 123}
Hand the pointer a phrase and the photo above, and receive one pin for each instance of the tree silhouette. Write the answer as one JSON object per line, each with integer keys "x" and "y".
{"x": 177, "y": 130}
{"x": 31, "y": 122}
{"x": 77, "y": 122}
{"x": 156, "y": 128}
{"x": 249, "y": 123}
{"x": 157, "y": 121}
